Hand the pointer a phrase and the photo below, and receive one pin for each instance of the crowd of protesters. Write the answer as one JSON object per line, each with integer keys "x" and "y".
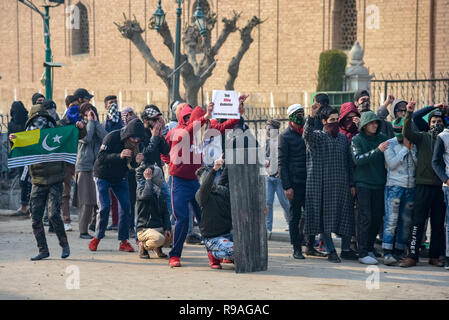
{"x": 350, "y": 173}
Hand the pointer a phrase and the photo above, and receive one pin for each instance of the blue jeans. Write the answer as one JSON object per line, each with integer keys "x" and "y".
{"x": 398, "y": 217}
{"x": 274, "y": 185}
{"x": 121, "y": 191}
{"x": 221, "y": 247}
{"x": 183, "y": 192}
{"x": 446, "y": 223}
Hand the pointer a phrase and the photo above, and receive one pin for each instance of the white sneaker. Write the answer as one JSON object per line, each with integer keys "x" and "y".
{"x": 368, "y": 260}
{"x": 67, "y": 227}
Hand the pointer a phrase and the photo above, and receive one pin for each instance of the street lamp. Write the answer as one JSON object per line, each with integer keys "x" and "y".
{"x": 48, "y": 64}
{"x": 159, "y": 17}
{"x": 200, "y": 20}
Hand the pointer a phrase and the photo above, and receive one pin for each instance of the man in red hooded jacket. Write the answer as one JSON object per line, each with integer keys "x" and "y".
{"x": 349, "y": 119}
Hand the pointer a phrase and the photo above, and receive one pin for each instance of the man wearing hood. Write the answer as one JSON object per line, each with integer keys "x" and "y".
{"x": 153, "y": 220}
{"x": 368, "y": 149}
{"x": 19, "y": 116}
{"x": 348, "y": 121}
{"x": 400, "y": 160}
{"x": 329, "y": 187}
{"x": 363, "y": 102}
{"x": 118, "y": 154}
{"x": 440, "y": 164}
{"x": 428, "y": 193}
{"x": 46, "y": 179}
{"x": 184, "y": 159}
{"x": 216, "y": 217}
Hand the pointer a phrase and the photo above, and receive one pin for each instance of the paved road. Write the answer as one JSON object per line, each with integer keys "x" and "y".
{"x": 110, "y": 274}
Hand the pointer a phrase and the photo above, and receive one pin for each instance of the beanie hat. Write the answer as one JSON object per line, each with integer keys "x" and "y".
{"x": 361, "y": 93}
{"x": 436, "y": 113}
{"x": 36, "y": 96}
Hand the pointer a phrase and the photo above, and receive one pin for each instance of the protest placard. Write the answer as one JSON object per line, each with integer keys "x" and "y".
{"x": 226, "y": 104}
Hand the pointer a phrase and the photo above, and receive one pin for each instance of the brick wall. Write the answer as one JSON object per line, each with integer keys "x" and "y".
{"x": 283, "y": 59}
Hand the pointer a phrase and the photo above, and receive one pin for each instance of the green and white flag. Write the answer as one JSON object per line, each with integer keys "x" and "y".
{"x": 44, "y": 145}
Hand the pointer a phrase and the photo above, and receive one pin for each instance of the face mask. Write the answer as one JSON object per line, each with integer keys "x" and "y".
{"x": 296, "y": 119}
{"x": 73, "y": 114}
{"x": 332, "y": 128}
{"x": 363, "y": 106}
{"x": 436, "y": 129}
{"x": 350, "y": 126}
{"x": 399, "y": 136}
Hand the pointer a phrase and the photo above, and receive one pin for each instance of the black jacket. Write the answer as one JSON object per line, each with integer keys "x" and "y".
{"x": 151, "y": 208}
{"x": 292, "y": 159}
{"x": 153, "y": 147}
{"x": 215, "y": 205}
{"x": 109, "y": 166}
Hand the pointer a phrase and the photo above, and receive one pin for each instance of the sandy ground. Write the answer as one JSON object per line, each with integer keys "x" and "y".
{"x": 110, "y": 274}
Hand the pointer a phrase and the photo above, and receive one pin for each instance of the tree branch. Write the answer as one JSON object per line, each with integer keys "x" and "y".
{"x": 234, "y": 65}
{"x": 165, "y": 34}
{"x": 131, "y": 30}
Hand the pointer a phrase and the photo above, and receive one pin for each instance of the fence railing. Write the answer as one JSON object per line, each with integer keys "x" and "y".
{"x": 424, "y": 90}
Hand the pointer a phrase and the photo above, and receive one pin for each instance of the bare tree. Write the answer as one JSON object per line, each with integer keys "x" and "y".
{"x": 199, "y": 52}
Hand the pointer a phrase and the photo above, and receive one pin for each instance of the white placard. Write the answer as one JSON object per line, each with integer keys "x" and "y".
{"x": 226, "y": 104}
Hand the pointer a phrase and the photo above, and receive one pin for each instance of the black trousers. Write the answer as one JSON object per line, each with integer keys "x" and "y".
{"x": 371, "y": 207}
{"x": 25, "y": 188}
{"x": 295, "y": 227}
{"x": 427, "y": 198}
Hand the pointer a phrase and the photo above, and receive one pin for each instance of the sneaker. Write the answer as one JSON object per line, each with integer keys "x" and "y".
{"x": 93, "y": 244}
{"x": 68, "y": 227}
{"x": 65, "y": 251}
{"x": 159, "y": 252}
{"x": 85, "y": 236}
{"x": 368, "y": 260}
{"x": 314, "y": 253}
{"x": 436, "y": 262}
{"x": 446, "y": 263}
{"x": 297, "y": 253}
{"x": 40, "y": 256}
{"x": 407, "y": 263}
{"x": 333, "y": 257}
{"x": 193, "y": 238}
{"x": 174, "y": 262}
{"x": 389, "y": 260}
{"x": 126, "y": 246}
{"x": 349, "y": 255}
{"x": 214, "y": 263}
{"x": 374, "y": 254}
{"x": 112, "y": 227}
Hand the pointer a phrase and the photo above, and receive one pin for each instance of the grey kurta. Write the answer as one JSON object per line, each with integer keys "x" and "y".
{"x": 329, "y": 204}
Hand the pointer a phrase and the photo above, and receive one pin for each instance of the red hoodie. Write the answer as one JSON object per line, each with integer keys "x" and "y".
{"x": 348, "y": 129}
{"x": 184, "y": 131}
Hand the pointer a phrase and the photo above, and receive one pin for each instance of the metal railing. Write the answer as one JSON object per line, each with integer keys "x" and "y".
{"x": 421, "y": 88}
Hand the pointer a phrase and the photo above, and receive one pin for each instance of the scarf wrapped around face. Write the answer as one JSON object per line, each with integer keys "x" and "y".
{"x": 113, "y": 113}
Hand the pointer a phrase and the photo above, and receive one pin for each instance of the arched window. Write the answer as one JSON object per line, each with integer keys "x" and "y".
{"x": 80, "y": 36}
{"x": 344, "y": 24}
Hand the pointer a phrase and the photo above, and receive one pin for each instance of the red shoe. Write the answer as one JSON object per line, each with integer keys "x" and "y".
{"x": 125, "y": 246}
{"x": 174, "y": 262}
{"x": 228, "y": 261}
{"x": 93, "y": 244}
{"x": 214, "y": 263}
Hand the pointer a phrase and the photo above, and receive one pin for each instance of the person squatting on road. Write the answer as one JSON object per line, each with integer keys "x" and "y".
{"x": 153, "y": 219}
{"x": 216, "y": 220}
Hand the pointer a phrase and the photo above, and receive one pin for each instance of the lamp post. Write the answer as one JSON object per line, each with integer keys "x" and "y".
{"x": 48, "y": 59}
{"x": 159, "y": 17}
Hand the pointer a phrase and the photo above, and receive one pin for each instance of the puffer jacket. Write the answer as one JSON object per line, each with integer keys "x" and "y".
{"x": 292, "y": 159}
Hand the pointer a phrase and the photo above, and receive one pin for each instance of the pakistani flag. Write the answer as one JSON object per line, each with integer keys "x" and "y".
{"x": 44, "y": 145}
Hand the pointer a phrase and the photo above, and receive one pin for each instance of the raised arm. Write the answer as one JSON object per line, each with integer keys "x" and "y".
{"x": 407, "y": 130}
